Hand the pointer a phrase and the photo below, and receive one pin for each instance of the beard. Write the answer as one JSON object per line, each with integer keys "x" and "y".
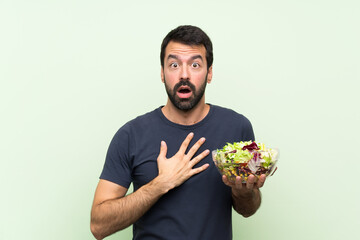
{"x": 185, "y": 104}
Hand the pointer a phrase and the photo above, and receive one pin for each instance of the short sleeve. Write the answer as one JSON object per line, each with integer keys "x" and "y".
{"x": 118, "y": 167}
{"x": 247, "y": 131}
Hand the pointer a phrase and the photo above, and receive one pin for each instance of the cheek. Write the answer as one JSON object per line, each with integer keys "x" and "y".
{"x": 170, "y": 77}
{"x": 199, "y": 77}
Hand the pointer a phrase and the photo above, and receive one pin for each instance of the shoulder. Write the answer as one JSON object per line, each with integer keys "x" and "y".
{"x": 144, "y": 121}
{"x": 229, "y": 120}
{"x": 227, "y": 114}
{"x": 141, "y": 122}
{"x": 127, "y": 136}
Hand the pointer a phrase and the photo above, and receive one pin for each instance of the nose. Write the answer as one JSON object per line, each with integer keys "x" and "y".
{"x": 184, "y": 74}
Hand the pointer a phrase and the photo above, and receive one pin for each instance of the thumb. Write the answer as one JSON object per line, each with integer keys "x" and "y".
{"x": 163, "y": 149}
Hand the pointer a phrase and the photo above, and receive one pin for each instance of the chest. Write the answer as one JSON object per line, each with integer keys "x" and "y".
{"x": 144, "y": 160}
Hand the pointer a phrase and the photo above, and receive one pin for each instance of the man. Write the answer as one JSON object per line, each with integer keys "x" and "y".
{"x": 178, "y": 192}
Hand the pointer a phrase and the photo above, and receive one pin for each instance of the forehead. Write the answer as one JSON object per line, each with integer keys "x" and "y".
{"x": 183, "y": 50}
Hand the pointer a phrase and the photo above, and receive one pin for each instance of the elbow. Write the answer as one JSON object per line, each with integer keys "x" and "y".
{"x": 245, "y": 212}
{"x": 95, "y": 230}
{"x": 246, "y": 215}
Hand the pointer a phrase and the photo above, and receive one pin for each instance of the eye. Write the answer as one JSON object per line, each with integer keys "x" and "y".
{"x": 174, "y": 65}
{"x": 195, "y": 65}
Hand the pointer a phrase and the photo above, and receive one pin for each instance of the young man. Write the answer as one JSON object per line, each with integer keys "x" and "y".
{"x": 178, "y": 192}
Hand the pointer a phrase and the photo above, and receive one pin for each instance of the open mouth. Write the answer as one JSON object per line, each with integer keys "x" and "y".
{"x": 184, "y": 92}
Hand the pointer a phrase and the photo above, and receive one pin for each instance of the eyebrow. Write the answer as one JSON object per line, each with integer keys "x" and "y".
{"x": 192, "y": 58}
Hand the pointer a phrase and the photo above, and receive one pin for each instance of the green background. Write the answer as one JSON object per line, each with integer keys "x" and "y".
{"x": 73, "y": 72}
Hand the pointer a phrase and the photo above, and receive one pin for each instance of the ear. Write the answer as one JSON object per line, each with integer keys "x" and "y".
{"x": 162, "y": 74}
{"x": 209, "y": 75}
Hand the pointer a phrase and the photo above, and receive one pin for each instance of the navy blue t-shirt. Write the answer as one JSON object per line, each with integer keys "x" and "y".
{"x": 200, "y": 208}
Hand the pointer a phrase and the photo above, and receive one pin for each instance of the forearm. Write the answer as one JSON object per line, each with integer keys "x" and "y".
{"x": 113, "y": 215}
{"x": 248, "y": 204}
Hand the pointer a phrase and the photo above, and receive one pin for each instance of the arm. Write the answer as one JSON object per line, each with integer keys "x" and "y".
{"x": 113, "y": 211}
{"x": 246, "y": 196}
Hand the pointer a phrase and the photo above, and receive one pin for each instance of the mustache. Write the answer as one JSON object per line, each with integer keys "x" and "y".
{"x": 184, "y": 83}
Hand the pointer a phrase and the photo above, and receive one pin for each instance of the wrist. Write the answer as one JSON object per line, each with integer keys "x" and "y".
{"x": 160, "y": 185}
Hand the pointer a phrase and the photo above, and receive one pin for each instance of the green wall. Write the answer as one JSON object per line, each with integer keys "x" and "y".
{"x": 73, "y": 72}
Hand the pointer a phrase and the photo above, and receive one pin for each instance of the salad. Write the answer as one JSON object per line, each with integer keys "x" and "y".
{"x": 245, "y": 158}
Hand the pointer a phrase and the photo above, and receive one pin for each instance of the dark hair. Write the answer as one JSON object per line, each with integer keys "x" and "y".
{"x": 189, "y": 35}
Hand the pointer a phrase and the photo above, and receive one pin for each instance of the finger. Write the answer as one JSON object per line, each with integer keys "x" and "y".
{"x": 186, "y": 143}
{"x": 196, "y": 147}
{"x": 199, "y": 169}
{"x": 226, "y": 181}
{"x": 163, "y": 149}
{"x": 238, "y": 182}
{"x": 250, "y": 182}
{"x": 199, "y": 157}
{"x": 261, "y": 180}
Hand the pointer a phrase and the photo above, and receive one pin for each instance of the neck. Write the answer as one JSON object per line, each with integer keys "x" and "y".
{"x": 189, "y": 117}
